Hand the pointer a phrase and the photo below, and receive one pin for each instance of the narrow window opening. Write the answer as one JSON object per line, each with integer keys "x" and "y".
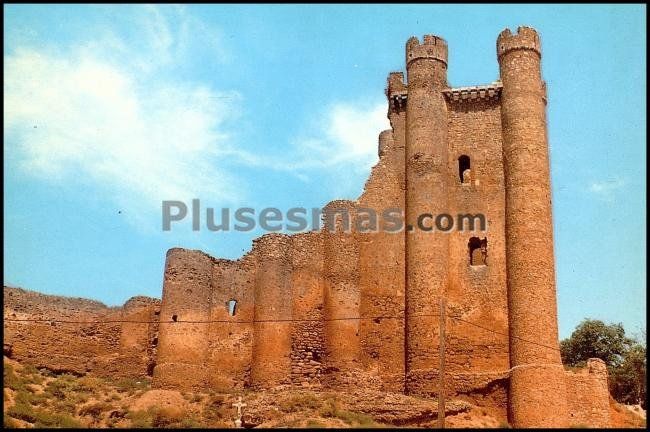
{"x": 232, "y": 307}
{"x": 464, "y": 171}
{"x": 174, "y": 317}
{"x": 477, "y": 251}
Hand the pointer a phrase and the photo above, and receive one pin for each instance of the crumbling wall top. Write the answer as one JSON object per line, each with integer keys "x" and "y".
{"x": 272, "y": 245}
{"x": 395, "y": 84}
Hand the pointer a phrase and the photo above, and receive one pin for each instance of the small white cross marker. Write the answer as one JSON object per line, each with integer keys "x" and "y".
{"x": 239, "y": 405}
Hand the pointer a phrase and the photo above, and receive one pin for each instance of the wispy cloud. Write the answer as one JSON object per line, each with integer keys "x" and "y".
{"x": 112, "y": 112}
{"x": 606, "y": 189}
{"x": 341, "y": 139}
{"x": 95, "y": 114}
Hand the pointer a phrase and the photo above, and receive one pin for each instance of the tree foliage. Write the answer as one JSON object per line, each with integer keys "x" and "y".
{"x": 625, "y": 357}
{"x": 627, "y": 382}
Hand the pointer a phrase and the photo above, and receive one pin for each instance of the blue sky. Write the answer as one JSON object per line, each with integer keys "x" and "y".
{"x": 110, "y": 109}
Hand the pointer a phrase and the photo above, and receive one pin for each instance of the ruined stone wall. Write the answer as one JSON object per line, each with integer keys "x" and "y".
{"x": 349, "y": 309}
{"x": 231, "y": 328}
{"x": 381, "y": 257}
{"x": 139, "y": 334}
{"x": 271, "y": 365}
{"x": 184, "y": 316}
{"x": 308, "y": 329}
{"x": 91, "y": 338}
{"x": 342, "y": 295}
{"x": 588, "y": 395}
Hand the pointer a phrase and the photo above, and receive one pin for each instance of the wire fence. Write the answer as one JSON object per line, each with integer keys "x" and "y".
{"x": 287, "y": 320}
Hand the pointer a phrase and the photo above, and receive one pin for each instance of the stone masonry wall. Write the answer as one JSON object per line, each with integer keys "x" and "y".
{"x": 588, "y": 395}
{"x": 91, "y": 340}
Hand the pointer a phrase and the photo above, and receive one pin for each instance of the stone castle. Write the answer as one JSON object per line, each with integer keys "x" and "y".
{"x": 348, "y": 310}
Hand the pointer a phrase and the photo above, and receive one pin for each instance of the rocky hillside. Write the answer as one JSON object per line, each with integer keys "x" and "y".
{"x": 39, "y": 398}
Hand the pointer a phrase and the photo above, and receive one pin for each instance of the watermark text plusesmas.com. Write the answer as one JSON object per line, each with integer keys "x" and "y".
{"x": 300, "y": 219}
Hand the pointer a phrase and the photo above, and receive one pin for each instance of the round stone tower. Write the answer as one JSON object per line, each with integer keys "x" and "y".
{"x": 342, "y": 297}
{"x": 426, "y": 192}
{"x": 184, "y": 315}
{"x": 271, "y": 365}
{"x": 537, "y": 387}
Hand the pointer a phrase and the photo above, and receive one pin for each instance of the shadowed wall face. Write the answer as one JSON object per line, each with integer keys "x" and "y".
{"x": 308, "y": 332}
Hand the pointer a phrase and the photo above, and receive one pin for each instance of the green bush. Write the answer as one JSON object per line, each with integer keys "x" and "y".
{"x": 301, "y": 402}
{"x": 11, "y": 380}
{"x": 22, "y": 411}
{"x": 41, "y": 418}
{"x": 625, "y": 357}
{"x": 140, "y": 419}
{"x": 95, "y": 409}
{"x": 332, "y": 408}
{"x": 131, "y": 385}
{"x": 55, "y": 420}
{"x": 162, "y": 418}
{"x": 27, "y": 398}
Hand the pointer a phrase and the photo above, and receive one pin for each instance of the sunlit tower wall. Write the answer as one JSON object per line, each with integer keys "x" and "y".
{"x": 537, "y": 386}
{"x": 184, "y": 315}
{"x": 341, "y": 295}
{"x": 426, "y": 192}
{"x": 271, "y": 362}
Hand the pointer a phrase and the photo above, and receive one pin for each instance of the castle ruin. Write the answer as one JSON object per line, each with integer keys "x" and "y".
{"x": 347, "y": 310}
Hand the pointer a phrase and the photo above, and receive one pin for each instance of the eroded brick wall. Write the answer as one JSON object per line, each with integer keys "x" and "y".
{"x": 381, "y": 265}
{"x": 184, "y": 316}
{"x": 80, "y": 336}
{"x": 230, "y": 333}
{"x": 271, "y": 363}
{"x": 308, "y": 329}
{"x": 342, "y": 295}
{"x": 588, "y": 395}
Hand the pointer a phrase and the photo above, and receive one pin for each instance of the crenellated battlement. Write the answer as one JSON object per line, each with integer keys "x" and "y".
{"x": 432, "y": 47}
{"x": 468, "y": 94}
{"x": 492, "y": 91}
{"x": 526, "y": 38}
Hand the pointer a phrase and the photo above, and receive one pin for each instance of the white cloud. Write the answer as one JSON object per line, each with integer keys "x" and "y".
{"x": 606, "y": 189}
{"x": 92, "y": 114}
{"x": 111, "y": 113}
{"x": 345, "y": 135}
